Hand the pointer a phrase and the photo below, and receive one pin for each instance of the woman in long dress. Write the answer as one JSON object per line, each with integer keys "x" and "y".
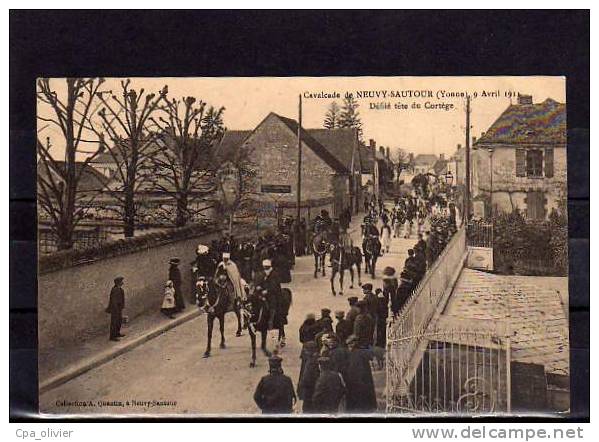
{"x": 386, "y": 237}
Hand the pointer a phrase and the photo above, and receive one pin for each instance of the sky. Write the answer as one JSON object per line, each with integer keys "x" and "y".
{"x": 247, "y": 101}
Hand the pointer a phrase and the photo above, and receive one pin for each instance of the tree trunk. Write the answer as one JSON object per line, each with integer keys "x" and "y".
{"x": 182, "y": 213}
{"x": 129, "y": 214}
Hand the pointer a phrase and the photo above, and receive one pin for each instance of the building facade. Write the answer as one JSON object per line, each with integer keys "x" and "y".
{"x": 520, "y": 162}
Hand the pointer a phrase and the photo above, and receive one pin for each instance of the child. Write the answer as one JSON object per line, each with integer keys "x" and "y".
{"x": 168, "y": 303}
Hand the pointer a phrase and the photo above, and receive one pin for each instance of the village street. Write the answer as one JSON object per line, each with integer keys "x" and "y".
{"x": 171, "y": 368}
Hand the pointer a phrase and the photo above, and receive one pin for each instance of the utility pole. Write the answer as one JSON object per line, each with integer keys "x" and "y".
{"x": 299, "y": 162}
{"x": 467, "y": 158}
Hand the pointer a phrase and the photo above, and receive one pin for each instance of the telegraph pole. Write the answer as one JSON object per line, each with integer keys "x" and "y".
{"x": 467, "y": 158}
{"x": 299, "y": 162}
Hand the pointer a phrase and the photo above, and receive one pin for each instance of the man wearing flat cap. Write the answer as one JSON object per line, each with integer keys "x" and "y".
{"x": 370, "y": 299}
{"x": 274, "y": 394}
{"x": 174, "y": 274}
{"x": 116, "y": 304}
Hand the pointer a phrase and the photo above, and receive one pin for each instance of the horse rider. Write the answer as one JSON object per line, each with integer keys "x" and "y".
{"x": 233, "y": 274}
{"x": 370, "y": 230}
{"x": 203, "y": 267}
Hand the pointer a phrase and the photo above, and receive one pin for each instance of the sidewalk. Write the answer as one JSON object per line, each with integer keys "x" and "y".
{"x": 59, "y": 365}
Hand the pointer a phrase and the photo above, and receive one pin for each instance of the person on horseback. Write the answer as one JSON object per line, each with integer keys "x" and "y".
{"x": 371, "y": 246}
{"x": 232, "y": 272}
{"x": 270, "y": 286}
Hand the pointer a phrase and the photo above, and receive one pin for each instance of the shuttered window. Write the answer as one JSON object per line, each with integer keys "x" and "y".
{"x": 534, "y": 163}
{"x": 549, "y": 162}
{"x": 520, "y": 162}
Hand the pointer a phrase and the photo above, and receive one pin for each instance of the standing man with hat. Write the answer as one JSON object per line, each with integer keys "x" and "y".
{"x": 274, "y": 393}
{"x": 364, "y": 326}
{"x": 353, "y": 311}
{"x": 174, "y": 274}
{"x": 329, "y": 389}
{"x": 370, "y": 299}
{"x": 390, "y": 286}
{"x": 343, "y": 328}
{"x": 116, "y": 304}
{"x": 268, "y": 280}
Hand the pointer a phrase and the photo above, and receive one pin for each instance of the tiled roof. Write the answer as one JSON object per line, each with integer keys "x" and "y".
{"x": 529, "y": 123}
{"x": 230, "y": 143}
{"x": 90, "y": 181}
{"x": 316, "y": 146}
{"x": 534, "y": 307}
{"x": 339, "y": 142}
{"x": 366, "y": 159}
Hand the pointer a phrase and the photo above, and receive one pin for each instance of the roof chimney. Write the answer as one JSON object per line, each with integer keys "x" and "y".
{"x": 382, "y": 150}
{"x": 524, "y": 99}
{"x": 372, "y": 144}
{"x": 459, "y": 146}
{"x": 473, "y": 140}
{"x": 442, "y": 157}
{"x": 388, "y": 152}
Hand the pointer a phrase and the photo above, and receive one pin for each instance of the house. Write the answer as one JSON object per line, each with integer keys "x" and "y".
{"x": 456, "y": 166}
{"x": 424, "y": 163}
{"x": 520, "y": 161}
{"x": 331, "y": 166}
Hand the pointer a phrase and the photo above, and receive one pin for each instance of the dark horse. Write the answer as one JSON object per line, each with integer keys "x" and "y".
{"x": 320, "y": 247}
{"x": 217, "y": 297}
{"x": 257, "y": 311}
{"x": 371, "y": 246}
{"x": 342, "y": 261}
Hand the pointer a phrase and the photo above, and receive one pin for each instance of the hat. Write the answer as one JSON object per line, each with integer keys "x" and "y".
{"x": 118, "y": 279}
{"x": 174, "y": 261}
{"x": 266, "y": 263}
{"x": 388, "y": 271}
{"x": 351, "y": 339}
{"x": 367, "y": 286}
{"x": 352, "y": 300}
{"x": 339, "y": 314}
{"x": 310, "y": 316}
{"x": 325, "y": 312}
{"x": 202, "y": 249}
{"x": 226, "y": 255}
{"x": 275, "y": 361}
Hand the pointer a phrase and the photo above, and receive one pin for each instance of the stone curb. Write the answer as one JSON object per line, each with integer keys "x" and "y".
{"x": 105, "y": 356}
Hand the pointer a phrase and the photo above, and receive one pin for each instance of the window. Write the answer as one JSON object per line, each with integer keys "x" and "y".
{"x": 534, "y": 163}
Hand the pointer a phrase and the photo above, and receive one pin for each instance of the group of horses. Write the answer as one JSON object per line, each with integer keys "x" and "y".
{"x": 342, "y": 258}
{"x": 217, "y": 297}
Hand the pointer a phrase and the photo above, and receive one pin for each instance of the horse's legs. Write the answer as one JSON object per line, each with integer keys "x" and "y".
{"x": 333, "y": 274}
{"x": 210, "y": 319}
{"x": 221, "y": 324}
{"x": 351, "y": 274}
{"x": 253, "y": 342}
{"x": 359, "y": 267}
{"x": 373, "y": 267}
{"x": 315, "y": 264}
{"x": 341, "y": 273}
{"x": 238, "y": 314}
{"x": 323, "y": 259}
{"x": 263, "y": 334}
{"x": 282, "y": 335}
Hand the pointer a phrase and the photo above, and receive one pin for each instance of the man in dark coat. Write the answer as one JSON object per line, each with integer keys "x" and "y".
{"x": 354, "y": 311}
{"x": 381, "y": 318}
{"x": 174, "y": 274}
{"x": 268, "y": 280}
{"x": 308, "y": 329}
{"x": 308, "y": 376}
{"x": 329, "y": 389}
{"x": 116, "y": 304}
{"x": 411, "y": 265}
{"x": 370, "y": 299}
{"x": 361, "y": 395}
{"x": 343, "y": 328}
{"x": 364, "y": 326}
{"x": 274, "y": 394}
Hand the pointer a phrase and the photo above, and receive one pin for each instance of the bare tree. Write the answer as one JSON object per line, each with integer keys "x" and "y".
{"x": 401, "y": 160}
{"x": 183, "y": 166}
{"x": 236, "y": 181}
{"x": 126, "y": 121}
{"x": 58, "y": 181}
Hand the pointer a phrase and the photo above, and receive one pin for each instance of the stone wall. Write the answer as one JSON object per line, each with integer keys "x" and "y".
{"x": 509, "y": 191}
{"x": 71, "y": 300}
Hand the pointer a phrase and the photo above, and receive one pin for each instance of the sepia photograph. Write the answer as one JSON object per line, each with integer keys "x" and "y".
{"x": 384, "y": 246}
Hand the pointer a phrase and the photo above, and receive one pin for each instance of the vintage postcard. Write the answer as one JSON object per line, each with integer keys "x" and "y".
{"x": 386, "y": 246}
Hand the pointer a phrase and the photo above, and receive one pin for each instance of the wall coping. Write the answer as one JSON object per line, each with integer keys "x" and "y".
{"x": 75, "y": 257}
